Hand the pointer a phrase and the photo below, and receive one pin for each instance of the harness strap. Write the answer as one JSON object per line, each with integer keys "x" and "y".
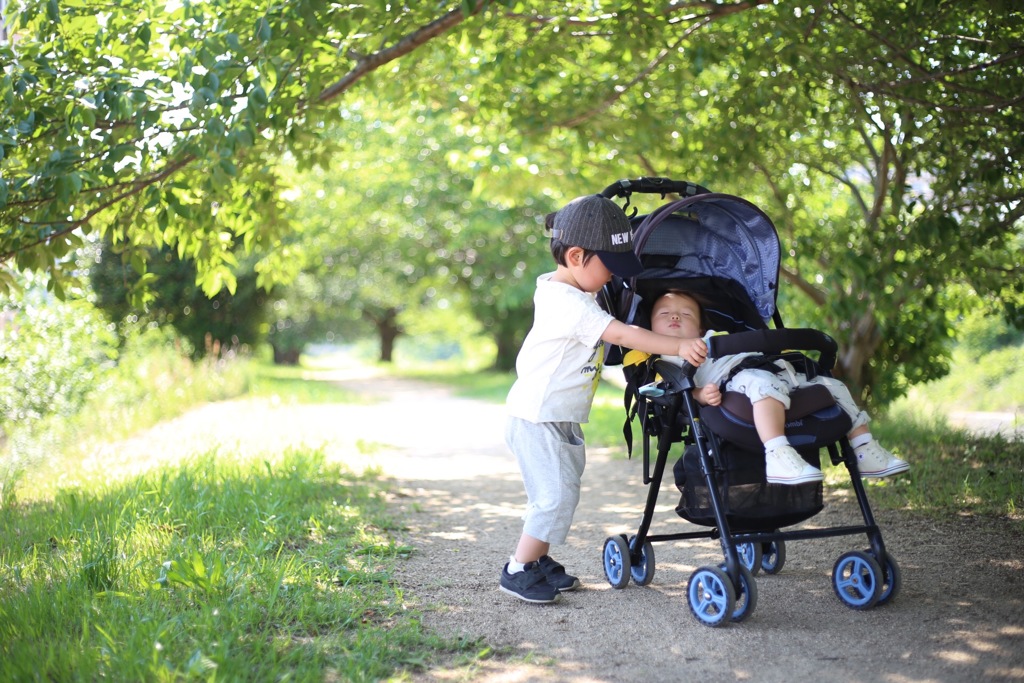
{"x": 632, "y": 400}
{"x": 770, "y": 363}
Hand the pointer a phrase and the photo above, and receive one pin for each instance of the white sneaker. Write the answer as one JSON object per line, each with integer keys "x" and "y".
{"x": 785, "y": 466}
{"x": 874, "y": 461}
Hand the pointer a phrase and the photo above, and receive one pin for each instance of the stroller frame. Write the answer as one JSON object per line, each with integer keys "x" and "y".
{"x": 727, "y": 593}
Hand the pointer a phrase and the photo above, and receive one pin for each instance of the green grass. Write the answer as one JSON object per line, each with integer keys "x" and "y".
{"x": 295, "y": 384}
{"x": 231, "y": 568}
{"x": 152, "y": 382}
{"x": 992, "y": 382}
{"x": 483, "y": 385}
{"x": 953, "y": 471}
{"x": 221, "y": 568}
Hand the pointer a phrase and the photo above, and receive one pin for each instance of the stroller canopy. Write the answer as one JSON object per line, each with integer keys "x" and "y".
{"x": 712, "y": 235}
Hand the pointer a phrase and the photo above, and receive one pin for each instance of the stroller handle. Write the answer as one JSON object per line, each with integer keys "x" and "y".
{"x": 777, "y": 341}
{"x": 653, "y": 185}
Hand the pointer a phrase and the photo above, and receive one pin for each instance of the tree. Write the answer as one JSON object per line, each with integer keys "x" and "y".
{"x": 210, "y": 324}
{"x": 846, "y": 120}
{"x": 392, "y": 228}
{"x": 881, "y": 101}
{"x": 161, "y": 125}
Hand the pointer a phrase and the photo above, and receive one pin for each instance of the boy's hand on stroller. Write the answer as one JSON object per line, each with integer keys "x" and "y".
{"x": 693, "y": 351}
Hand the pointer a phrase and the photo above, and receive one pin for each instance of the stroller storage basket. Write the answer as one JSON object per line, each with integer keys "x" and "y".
{"x": 749, "y": 502}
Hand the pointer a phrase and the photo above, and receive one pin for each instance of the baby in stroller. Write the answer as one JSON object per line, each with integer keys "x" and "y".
{"x": 767, "y": 382}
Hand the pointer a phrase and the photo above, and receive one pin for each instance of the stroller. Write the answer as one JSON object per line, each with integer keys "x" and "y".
{"x": 726, "y": 250}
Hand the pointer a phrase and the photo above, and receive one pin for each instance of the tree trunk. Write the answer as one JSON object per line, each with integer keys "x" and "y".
{"x": 508, "y": 348}
{"x": 285, "y": 356}
{"x": 854, "y": 363}
{"x": 388, "y": 330}
{"x": 508, "y": 332}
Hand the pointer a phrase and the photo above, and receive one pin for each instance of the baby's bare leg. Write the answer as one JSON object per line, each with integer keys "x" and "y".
{"x": 857, "y": 431}
{"x": 769, "y": 418}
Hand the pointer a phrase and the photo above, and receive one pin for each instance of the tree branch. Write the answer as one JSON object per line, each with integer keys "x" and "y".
{"x": 133, "y": 189}
{"x": 618, "y": 92}
{"x": 403, "y": 47}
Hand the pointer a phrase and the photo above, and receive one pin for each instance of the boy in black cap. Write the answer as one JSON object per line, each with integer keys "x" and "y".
{"x": 558, "y": 369}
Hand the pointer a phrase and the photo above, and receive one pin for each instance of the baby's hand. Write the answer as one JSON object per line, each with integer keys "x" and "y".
{"x": 693, "y": 350}
{"x": 710, "y": 395}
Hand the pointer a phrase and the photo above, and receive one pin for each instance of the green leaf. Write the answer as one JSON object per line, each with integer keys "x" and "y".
{"x": 258, "y": 97}
{"x": 215, "y": 127}
{"x": 138, "y": 262}
{"x": 262, "y": 30}
{"x": 52, "y": 10}
{"x": 198, "y": 566}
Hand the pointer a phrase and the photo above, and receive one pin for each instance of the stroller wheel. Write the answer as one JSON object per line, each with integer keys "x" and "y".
{"x": 751, "y": 556}
{"x": 712, "y": 596}
{"x": 893, "y": 579}
{"x": 643, "y": 571}
{"x": 857, "y": 579}
{"x": 746, "y": 595}
{"x": 773, "y": 556}
{"x": 616, "y": 561}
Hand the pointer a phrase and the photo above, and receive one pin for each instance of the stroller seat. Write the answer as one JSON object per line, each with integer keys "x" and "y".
{"x": 748, "y": 501}
{"x": 813, "y": 419}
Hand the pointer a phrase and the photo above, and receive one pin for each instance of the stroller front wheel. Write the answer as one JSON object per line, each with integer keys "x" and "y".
{"x": 892, "y": 578}
{"x": 616, "y": 561}
{"x": 712, "y": 596}
{"x": 773, "y": 556}
{"x": 857, "y": 579}
{"x": 751, "y": 556}
{"x": 643, "y": 571}
{"x": 746, "y": 595}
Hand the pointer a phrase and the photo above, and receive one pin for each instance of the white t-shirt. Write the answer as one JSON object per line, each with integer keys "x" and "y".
{"x": 560, "y": 363}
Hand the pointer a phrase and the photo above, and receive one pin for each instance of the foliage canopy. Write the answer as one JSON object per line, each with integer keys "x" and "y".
{"x": 883, "y": 138}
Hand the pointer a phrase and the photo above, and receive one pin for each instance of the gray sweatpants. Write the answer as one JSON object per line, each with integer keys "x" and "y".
{"x": 551, "y": 457}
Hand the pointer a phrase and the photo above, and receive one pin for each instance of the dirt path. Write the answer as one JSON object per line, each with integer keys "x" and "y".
{"x": 959, "y": 616}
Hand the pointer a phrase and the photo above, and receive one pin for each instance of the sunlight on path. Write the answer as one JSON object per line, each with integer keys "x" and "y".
{"x": 407, "y": 429}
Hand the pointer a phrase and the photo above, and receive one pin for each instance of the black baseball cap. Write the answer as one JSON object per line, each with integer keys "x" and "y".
{"x": 597, "y": 224}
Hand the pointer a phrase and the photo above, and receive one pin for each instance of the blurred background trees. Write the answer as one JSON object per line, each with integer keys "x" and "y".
{"x": 310, "y": 172}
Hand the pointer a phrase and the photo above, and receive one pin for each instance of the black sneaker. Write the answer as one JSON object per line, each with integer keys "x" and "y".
{"x": 556, "y": 576}
{"x": 529, "y": 585}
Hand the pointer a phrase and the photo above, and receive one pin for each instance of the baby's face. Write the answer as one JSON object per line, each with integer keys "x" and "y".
{"x": 676, "y": 315}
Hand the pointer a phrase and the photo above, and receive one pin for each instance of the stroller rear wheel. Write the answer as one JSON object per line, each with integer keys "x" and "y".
{"x": 616, "y": 560}
{"x": 712, "y": 596}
